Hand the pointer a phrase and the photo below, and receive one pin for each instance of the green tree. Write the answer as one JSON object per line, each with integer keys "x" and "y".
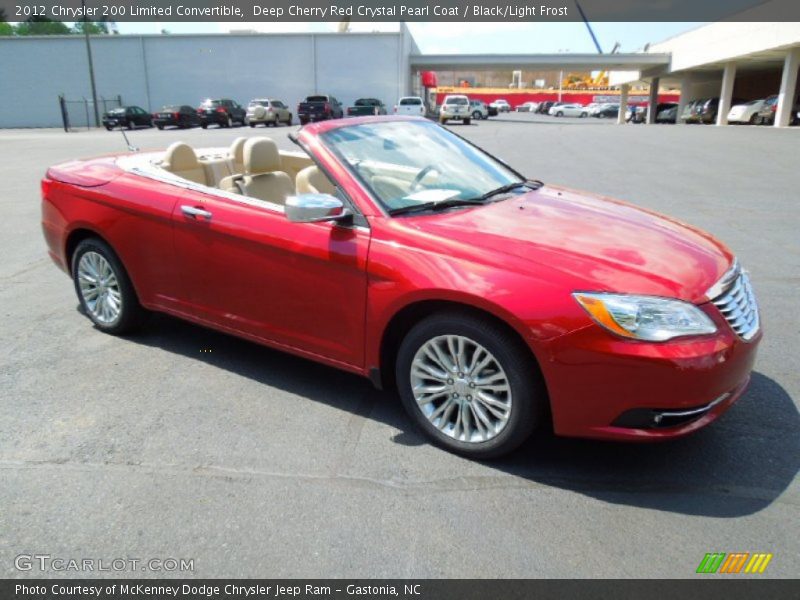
{"x": 5, "y": 27}
{"x": 93, "y": 27}
{"x": 41, "y": 26}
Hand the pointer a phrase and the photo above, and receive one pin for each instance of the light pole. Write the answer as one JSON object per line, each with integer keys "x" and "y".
{"x": 91, "y": 64}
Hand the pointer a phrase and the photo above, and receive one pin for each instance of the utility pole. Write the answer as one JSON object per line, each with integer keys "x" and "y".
{"x": 91, "y": 64}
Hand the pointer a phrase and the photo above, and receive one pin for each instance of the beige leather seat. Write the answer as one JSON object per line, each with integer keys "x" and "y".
{"x": 263, "y": 178}
{"x": 236, "y": 154}
{"x": 313, "y": 181}
{"x": 181, "y": 160}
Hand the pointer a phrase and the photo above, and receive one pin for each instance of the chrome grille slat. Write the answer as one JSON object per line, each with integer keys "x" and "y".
{"x": 737, "y": 302}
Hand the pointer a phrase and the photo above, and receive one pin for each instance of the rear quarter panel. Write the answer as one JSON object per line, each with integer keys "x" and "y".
{"x": 132, "y": 214}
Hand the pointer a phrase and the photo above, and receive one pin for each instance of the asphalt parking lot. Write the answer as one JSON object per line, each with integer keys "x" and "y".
{"x": 180, "y": 442}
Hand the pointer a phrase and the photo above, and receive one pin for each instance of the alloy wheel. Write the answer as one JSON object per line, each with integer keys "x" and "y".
{"x": 99, "y": 288}
{"x": 461, "y": 388}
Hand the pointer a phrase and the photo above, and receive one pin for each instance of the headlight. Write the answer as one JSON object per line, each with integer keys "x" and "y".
{"x": 645, "y": 317}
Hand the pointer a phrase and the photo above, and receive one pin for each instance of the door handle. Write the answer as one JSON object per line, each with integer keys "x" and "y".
{"x": 194, "y": 212}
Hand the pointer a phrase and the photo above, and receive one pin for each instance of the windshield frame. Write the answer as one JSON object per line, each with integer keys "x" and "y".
{"x": 379, "y": 203}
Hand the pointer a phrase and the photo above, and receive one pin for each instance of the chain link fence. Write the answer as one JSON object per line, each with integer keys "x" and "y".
{"x": 79, "y": 114}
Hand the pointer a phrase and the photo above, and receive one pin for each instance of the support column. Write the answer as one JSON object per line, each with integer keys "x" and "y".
{"x": 686, "y": 97}
{"x": 788, "y": 92}
{"x": 652, "y": 107}
{"x": 623, "y": 103}
{"x": 726, "y": 93}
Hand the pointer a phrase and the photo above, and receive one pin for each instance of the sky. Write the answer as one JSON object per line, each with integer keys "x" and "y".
{"x": 467, "y": 38}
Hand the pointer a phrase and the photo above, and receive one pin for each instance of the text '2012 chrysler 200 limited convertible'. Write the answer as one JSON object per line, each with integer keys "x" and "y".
{"x": 392, "y": 248}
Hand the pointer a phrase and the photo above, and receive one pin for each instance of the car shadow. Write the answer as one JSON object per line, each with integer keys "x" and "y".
{"x": 737, "y": 466}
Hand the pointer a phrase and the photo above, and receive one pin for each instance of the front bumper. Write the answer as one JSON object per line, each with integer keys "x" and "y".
{"x": 606, "y": 387}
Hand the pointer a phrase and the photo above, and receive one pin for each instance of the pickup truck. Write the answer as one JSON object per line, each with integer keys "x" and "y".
{"x": 319, "y": 108}
{"x": 366, "y": 107}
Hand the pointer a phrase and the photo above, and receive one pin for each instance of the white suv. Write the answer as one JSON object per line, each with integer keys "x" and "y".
{"x": 410, "y": 105}
{"x": 455, "y": 107}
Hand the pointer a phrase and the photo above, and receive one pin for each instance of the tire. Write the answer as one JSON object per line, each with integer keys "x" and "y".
{"x": 94, "y": 256}
{"x": 467, "y": 121}
{"x": 584, "y": 115}
{"x": 485, "y": 117}
{"x": 476, "y": 115}
{"x": 443, "y": 121}
{"x": 559, "y": 114}
{"x": 109, "y": 128}
{"x": 204, "y": 125}
{"x": 161, "y": 127}
{"x": 253, "y": 125}
{"x": 510, "y": 360}
{"x": 303, "y": 121}
{"x": 229, "y": 122}
{"x": 130, "y": 125}
{"x": 289, "y": 119}
{"x": 753, "y": 118}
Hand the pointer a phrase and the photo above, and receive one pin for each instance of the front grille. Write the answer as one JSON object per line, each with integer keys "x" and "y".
{"x": 737, "y": 303}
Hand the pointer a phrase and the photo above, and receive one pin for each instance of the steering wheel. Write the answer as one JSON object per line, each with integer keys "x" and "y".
{"x": 421, "y": 175}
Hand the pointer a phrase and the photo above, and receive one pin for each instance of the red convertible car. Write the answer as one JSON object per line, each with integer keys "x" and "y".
{"x": 394, "y": 249}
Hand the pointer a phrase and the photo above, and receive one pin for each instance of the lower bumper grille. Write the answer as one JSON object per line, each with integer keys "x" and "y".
{"x": 653, "y": 418}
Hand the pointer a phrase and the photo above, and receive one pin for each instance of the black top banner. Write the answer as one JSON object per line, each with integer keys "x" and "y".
{"x": 403, "y": 10}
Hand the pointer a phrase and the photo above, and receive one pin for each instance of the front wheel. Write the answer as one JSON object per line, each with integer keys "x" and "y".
{"x": 105, "y": 292}
{"x": 471, "y": 386}
{"x": 467, "y": 121}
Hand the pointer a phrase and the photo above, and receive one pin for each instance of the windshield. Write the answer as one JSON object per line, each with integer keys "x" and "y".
{"x": 410, "y": 163}
{"x": 117, "y": 111}
{"x": 457, "y": 100}
{"x": 410, "y": 101}
{"x": 317, "y": 99}
{"x": 211, "y": 103}
{"x": 259, "y": 103}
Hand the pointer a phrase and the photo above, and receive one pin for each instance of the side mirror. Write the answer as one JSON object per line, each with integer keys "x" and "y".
{"x": 313, "y": 208}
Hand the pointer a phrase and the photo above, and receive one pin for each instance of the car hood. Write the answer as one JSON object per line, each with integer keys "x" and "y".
{"x": 595, "y": 243}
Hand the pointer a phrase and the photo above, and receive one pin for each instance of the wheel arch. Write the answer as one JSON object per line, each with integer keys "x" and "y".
{"x": 412, "y": 313}
{"x": 81, "y": 233}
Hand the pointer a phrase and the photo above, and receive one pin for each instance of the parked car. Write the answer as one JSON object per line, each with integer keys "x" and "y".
{"x": 767, "y": 113}
{"x": 319, "y": 107}
{"x": 607, "y": 111}
{"x": 707, "y": 113}
{"x": 410, "y": 105}
{"x": 223, "y": 112}
{"x": 267, "y": 111}
{"x": 746, "y": 112}
{"x": 497, "y": 303}
{"x": 569, "y": 110}
{"x": 527, "y": 107}
{"x": 479, "y": 109}
{"x": 668, "y": 115}
{"x": 181, "y": 116}
{"x": 455, "y": 107}
{"x": 591, "y": 108}
{"x": 544, "y": 107}
{"x": 641, "y": 112}
{"x": 689, "y": 114}
{"x": 127, "y": 116}
{"x": 365, "y": 107}
{"x": 501, "y": 105}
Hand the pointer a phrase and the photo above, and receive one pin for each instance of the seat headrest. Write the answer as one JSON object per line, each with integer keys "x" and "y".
{"x": 237, "y": 149}
{"x": 312, "y": 180}
{"x": 181, "y": 157}
{"x": 261, "y": 156}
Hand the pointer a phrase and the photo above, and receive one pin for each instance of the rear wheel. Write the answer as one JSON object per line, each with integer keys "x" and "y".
{"x": 229, "y": 122}
{"x": 471, "y": 386}
{"x": 130, "y": 124}
{"x": 109, "y": 128}
{"x": 204, "y": 125}
{"x": 161, "y": 127}
{"x": 467, "y": 121}
{"x": 104, "y": 289}
{"x": 559, "y": 114}
{"x": 476, "y": 115}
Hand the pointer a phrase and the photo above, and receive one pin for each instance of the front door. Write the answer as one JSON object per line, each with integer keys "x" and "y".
{"x": 247, "y": 268}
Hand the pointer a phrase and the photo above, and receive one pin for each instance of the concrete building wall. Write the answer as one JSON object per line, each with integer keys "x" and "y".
{"x": 150, "y": 71}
